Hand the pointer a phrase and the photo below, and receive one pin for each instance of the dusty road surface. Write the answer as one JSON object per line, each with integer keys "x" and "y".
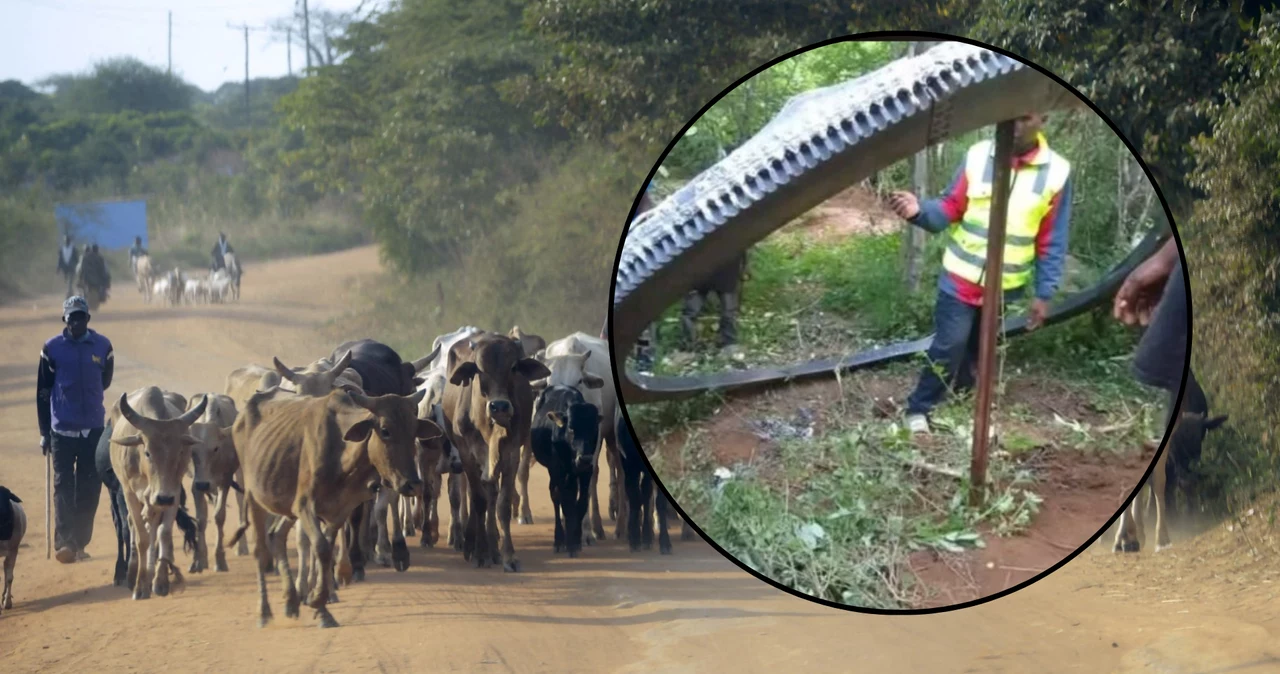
{"x": 607, "y": 611}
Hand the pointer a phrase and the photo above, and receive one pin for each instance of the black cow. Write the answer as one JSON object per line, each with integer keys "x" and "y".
{"x": 564, "y": 437}
{"x": 120, "y": 513}
{"x": 383, "y": 370}
{"x": 640, "y": 492}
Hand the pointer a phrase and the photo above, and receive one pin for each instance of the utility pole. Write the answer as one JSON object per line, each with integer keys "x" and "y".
{"x": 247, "y": 119}
{"x": 306, "y": 29}
{"x": 288, "y": 53}
{"x": 170, "y": 42}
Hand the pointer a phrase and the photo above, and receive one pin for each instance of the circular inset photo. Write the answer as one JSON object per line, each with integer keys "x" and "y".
{"x": 820, "y": 368}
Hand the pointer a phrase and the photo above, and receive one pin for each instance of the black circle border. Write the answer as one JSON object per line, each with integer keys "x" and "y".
{"x": 885, "y": 36}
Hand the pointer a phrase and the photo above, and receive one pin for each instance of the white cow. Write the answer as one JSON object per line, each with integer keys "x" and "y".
{"x": 582, "y": 361}
{"x": 434, "y": 380}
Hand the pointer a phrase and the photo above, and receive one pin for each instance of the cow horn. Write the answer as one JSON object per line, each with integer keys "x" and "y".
{"x": 418, "y": 395}
{"x": 139, "y": 422}
{"x": 361, "y": 400}
{"x": 194, "y": 413}
{"x": 341, "y": 366}
{"x": 420, "y": 364}
{"x": 285, "y": 372}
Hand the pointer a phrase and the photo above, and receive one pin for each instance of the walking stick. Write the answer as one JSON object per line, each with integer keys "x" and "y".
{"x": 48, "y": 532}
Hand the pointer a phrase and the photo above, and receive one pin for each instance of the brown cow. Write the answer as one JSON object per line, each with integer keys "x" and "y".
{"x": 245, "y": 381}
{"x": 150, "y": 450}
{"x": 487, "y": 404}
{"x": 214, "y": 470}
{"x": 314, "y": 460}
{"x": 315, "y": 380}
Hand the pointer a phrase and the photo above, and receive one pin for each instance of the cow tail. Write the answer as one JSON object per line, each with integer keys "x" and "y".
{"x": 235, "y": 538}
{"x": 244, "y": 520}
{"x": 188, "y": 527}
{"x": 236, "y": 486}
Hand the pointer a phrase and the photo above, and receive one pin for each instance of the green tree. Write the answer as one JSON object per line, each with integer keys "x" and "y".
{"x": 120, "y": 84}
{"x": 1232, "y": 245}
{"x": 413, "y": 115}
{"x": 644, "y": 68}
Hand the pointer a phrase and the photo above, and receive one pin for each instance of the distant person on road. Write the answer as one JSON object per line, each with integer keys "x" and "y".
{"x": 136, "y": 251}
{"x": 76, "y": 368}
{"x": 219, "y": 252}
{"x": 1035, "y": 250}
{"x": 68, "y": 261}
{"x": 92, "y": 275}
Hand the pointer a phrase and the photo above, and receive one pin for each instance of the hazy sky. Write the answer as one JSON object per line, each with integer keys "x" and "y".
{"x": 39, "y": 38}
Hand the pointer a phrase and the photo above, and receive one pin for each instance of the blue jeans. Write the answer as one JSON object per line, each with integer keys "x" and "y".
{"x": 954, "y": 350}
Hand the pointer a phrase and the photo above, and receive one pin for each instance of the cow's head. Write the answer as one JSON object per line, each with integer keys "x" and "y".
{"x": 495, "y": 367}
{"x": 316, "y": 384}
{"x": 571, "y": 371}
{"x": 580, "y": 428}
{"x": 213, "y": 443}
{"x": 391, "y": 427}
{"x": 166, "y": 449}
{"x": 1194, "y": 427}
{"x": 1189, "y": 433}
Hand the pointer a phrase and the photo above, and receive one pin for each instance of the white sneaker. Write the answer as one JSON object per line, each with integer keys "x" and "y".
{"x": 917, "y": 423}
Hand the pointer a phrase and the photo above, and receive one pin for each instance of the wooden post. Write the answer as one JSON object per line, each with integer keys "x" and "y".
{"x": 992, "y": 304}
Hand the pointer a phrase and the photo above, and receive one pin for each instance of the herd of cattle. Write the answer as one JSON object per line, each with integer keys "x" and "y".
{"x": 351, "y": 453}
{"x": 176, "y": 287}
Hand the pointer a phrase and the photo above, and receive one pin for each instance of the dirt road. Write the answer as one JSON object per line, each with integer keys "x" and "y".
{"x": 607, "y": 611}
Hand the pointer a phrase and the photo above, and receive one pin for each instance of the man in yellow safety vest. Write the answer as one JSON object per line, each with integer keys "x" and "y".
{"x": 1035, "y": 249}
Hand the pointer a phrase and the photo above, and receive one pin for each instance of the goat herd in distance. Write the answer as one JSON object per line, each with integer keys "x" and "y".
{"x": 176, "y": 286}
{"x": 354, "y": 448}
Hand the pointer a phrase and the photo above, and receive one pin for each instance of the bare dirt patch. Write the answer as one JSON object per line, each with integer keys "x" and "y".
{"x": 1081, "y": 493}
{"x": 857, "y": 211}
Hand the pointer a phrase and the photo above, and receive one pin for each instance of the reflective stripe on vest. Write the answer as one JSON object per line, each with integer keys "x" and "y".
{"x": 1034, "y": 187}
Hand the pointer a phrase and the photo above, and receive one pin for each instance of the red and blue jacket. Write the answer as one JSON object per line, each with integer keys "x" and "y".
{"x": 937, "y": 215}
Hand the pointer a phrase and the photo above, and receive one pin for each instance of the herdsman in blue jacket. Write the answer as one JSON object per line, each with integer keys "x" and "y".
{"x": 75, "y": 370}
